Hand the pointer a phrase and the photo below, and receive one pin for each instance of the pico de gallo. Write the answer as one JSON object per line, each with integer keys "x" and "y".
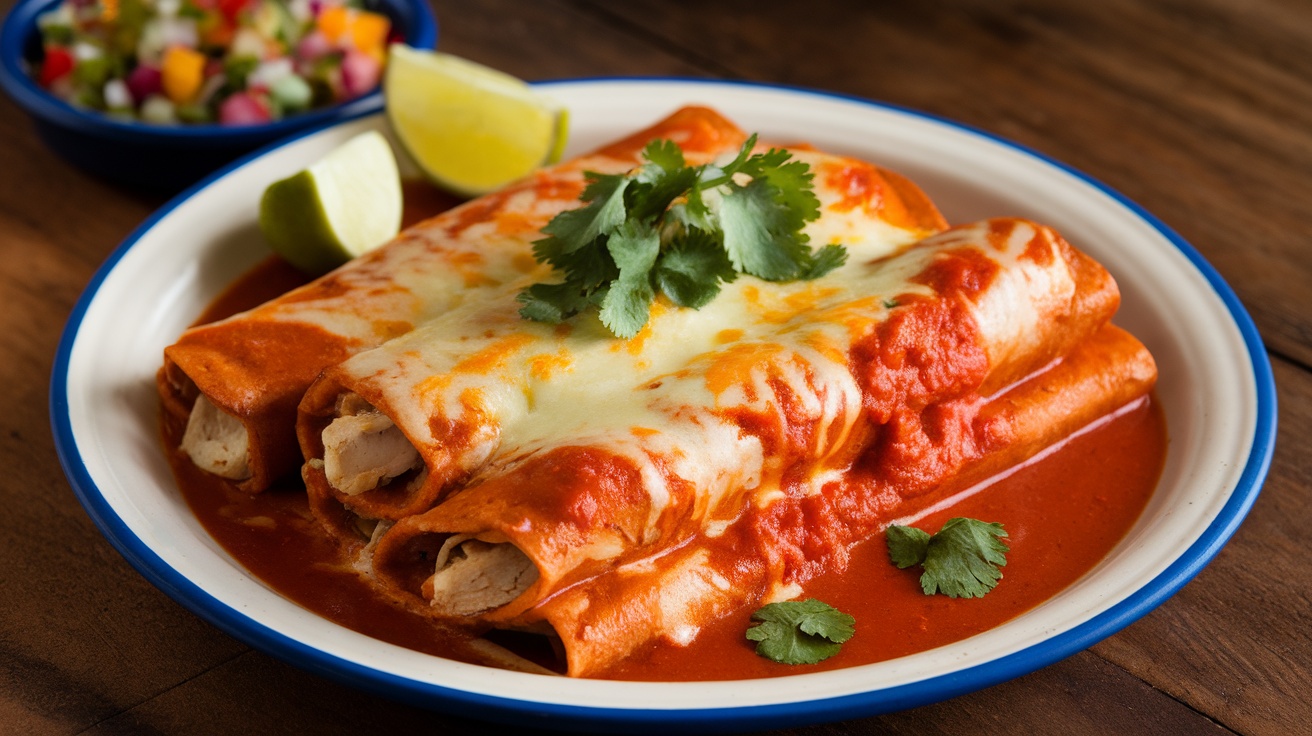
{"x": 233, "y": 62}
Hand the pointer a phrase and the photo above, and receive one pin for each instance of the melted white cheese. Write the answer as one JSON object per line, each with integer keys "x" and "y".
{"x": 525, "y": 387}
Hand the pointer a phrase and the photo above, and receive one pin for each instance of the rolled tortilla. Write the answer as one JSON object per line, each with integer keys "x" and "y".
{"x": 237, "y": 382}
{"x": 473, "y": 388}
{"x": 822, "y": 374}
{"x": 782, "y": 541}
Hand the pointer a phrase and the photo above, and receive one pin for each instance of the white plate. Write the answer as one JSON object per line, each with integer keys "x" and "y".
{"x": 1215, "y": 387}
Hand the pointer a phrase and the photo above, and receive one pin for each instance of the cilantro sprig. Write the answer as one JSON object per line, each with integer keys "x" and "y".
{"x": 678, "y": 230}
{"x": 800, "y": 632}
{"x": 962, "y": 560}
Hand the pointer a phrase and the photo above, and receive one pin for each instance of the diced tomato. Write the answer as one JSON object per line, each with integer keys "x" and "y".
{"x": 231, "y": 8}
{"x": 58, "y": 63}
{"x": 216, "y": 29}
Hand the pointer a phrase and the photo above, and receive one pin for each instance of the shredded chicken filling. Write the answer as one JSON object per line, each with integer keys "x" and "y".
{"x": 216, "y": 441}
{"x": 364, "y": 451}
{"x": 472, "y": 576}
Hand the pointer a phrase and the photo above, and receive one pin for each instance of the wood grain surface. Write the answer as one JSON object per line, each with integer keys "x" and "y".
{"x": 1199, "y": 110}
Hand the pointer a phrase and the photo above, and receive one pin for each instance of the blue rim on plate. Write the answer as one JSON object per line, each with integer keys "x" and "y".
{"x": 508, "y": 708}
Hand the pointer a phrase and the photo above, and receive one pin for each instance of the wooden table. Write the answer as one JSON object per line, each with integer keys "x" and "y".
{"x": 1200, "y": 111}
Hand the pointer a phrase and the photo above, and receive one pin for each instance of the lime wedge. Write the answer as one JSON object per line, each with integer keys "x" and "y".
{"x": 345, "y": 205}
{"x": 470, "y": 128}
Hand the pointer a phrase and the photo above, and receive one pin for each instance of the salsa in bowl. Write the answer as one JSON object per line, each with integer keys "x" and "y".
{"x": 156, "y": 93}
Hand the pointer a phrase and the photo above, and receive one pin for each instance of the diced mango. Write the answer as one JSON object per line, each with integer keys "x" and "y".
{"x": 358, "y": 29}
{"x": 333, "y": 21}
{"x": 181, "y": 73}
{"x": 369, "y": 31}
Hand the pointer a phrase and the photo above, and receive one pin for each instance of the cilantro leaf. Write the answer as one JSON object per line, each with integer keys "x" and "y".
{"x": 656, "y": 231}
{"x": 551, "y": 303}
{"x": 690, "y": 272}
{"x": 575, "y": 229}
{"x": 665, "y": 155}
{"x": 961, "y": 560}
{"x": 627, "y": 304}
{"x": 633, "y": 249}
{"x": 823, "y": 261}
{"x": 907, "y": 545}
{"x": 759, "y": 235}
{"x": 663, "y": 180}
{"x": 791, "y": 181}
{"x": 800, "y": 632}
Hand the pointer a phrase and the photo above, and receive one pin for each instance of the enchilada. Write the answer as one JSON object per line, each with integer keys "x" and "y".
{"x": 237, "y": 382}
{"x": 781, "y": 541}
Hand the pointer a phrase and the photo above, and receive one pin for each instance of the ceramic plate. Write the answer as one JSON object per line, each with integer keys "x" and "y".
{"x": 1215, "y": 387}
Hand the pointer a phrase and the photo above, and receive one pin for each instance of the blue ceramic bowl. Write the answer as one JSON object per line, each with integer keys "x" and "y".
{"x": 161, "y": 157}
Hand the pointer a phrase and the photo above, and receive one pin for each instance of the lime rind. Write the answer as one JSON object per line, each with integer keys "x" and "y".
{"x": 562, "y": 136}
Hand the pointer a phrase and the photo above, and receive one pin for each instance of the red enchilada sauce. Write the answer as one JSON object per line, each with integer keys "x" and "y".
{"x": 1063, "y": 513}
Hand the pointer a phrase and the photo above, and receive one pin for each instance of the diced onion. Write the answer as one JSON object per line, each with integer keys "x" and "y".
{"x": 158, "y": 109}
{"x": 116, "y": 94}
